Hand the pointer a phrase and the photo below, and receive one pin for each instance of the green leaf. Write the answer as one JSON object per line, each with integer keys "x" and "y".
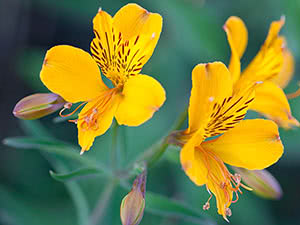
{"x": 36, "y": 129}
{"x": 56, "y": 147}
{"x": 163, "y": 206}
{"x": 77, "y": 174}
{"x": 20, "y": 208}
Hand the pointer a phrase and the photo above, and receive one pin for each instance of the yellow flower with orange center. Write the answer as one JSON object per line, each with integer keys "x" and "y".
{"x": 121, "y": 47}
{"x": 217, "y": 110}
{"x": 273, "y": 65}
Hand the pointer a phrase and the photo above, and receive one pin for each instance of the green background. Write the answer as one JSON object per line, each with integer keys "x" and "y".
{"x": 192, "y": 33}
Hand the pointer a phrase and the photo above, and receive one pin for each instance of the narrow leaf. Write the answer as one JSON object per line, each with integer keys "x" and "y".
{"x": 77, "y": 174}
{"x": 56, "y": 147}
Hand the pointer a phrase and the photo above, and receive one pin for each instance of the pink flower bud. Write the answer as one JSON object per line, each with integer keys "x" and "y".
{"x": 38, "y": 105}
{"x": 262, "y": 182}
{"x": 133, "y": 204}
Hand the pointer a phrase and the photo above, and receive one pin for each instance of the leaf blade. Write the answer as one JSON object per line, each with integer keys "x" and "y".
{"x": 74, "y": 175}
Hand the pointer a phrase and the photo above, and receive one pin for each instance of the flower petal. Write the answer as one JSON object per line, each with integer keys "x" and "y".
{"x": 123, "y": 44}
{"x": 252, "y": 144}
{"x": 133, "y": 20}
{"x": 140, "y": 31}
{"x": 141, "y": 97}
{"x": 271, "y": 101}
{"x": 103, "y": 46}
{"x": 191, "y": 160}
{"x": 213, "y": 107}
{"x": 71, "y": 73}
{"x": 268, "y": 61}
{"x": 211, "y": 83}
{"x": 203, "y": 168}
{"x": 86, "y": 135}
{"x": 287, "y": 70}
{"x": 237, "y": 36}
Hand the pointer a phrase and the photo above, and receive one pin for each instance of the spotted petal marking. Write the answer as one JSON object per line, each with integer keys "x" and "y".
{"x": 226, "y": 114}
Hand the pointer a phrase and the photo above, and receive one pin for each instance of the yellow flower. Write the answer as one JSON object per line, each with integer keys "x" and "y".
{"x": 215, "y": 108}
{"x": 121, "y": 47}
{"x": 273, "y": 65}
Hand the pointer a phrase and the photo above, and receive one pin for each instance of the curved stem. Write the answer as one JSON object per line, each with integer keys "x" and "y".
{"x": 101, "y": 204}
{"x": 152, "y": 155}
{"x": 114, "y": 146}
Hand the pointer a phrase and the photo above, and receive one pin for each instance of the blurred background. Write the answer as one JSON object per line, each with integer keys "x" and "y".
{"x": 192, "y": 33}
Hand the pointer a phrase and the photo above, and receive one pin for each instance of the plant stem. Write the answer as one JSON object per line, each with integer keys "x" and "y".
{"x": 152, "y": 155}
{"x": 114, "y": 146}
{"x": 102, "y": 203}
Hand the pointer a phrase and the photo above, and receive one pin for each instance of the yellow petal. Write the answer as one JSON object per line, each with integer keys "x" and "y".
{"x": 203, "y": 167}
{"x": 211, "y": 84}
{"x": 132, "y": 20}
{"x": 71, "y": 73}
{"x": 141, "y": 97}
{"x": 226, "y": 114}
{"x": 287, "y": 70}
{"x": 103, "y": 46}
{"x": 268, "y": 61}
{"x": 87, "y": 134}
{"x": 191, "y": 160}
{"x": 271, "y": 101}
{"x": 237, "y": 36}
{"x": 123, "y": 44}
{"x": 140, "y": 31}
{"x": 252, "y": 144}
{"x": 274, "y": 29}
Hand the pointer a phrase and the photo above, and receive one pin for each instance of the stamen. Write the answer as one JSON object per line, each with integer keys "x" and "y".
{"x": 68, "y": 106}
{"x": 227, "y": 182}
{"x": 206, "y": 206}
{"x": 228, "y": 212}
{"x": 91, "y": 116}
{"x": 237, "y": 177}
{"x": 82, "y": 151}
{"x": 294, "y": 94}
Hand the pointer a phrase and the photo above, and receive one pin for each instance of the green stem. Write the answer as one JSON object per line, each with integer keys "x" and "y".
{"x": 102, "y": 203}
{"x": 77, "y": 195}
{"x": 114, "y": 146}
{"x": 152, "y": 155}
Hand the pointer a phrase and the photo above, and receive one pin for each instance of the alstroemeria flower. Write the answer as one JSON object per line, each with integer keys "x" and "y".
{"x": 273, "y": 65}
{"x": 121, "y": 47}
{"x": 217, "y": 110}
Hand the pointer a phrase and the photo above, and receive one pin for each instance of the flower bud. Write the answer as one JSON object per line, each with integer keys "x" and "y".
{"x": 38, "y": 105}
{"x": 133, "y": 204}
{"x": 262, "y": 182}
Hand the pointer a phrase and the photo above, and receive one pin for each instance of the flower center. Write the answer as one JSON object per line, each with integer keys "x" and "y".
{"x": 102, "y": 105}
{"x": 89, "y": 117}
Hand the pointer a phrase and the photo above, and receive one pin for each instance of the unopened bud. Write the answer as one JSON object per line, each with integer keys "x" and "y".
{"x": 133, "y": 204}
{"x": 262, "y": 182}
{"x": 38, "y": 105}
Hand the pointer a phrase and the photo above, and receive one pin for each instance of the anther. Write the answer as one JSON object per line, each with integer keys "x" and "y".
{"x": 222, "y": 185}
{"x": 237, "y": 178}
{"x": 206, "y": 206}
{"x": 68, "y": 105}
{"x": 295, "y": 94}
{"x": 228, "y": 212}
